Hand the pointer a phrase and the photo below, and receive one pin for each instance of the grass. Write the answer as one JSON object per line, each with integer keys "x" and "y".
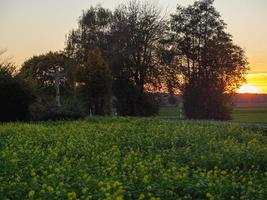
{"x": 130, "y": 158}
{"x": 258, "y": 115}
{"x": 248, "y": 114}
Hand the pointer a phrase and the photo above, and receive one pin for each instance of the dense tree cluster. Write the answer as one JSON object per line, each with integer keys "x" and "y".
{"x": 212, "y": 66}
{"x": 120, "y": 58}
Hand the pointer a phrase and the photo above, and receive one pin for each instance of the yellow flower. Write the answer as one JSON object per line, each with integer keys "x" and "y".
{"x": 145, "y": 179}
{"x": 154, "y": 198}
{"x": 84, "y": 190}
{"x": 31, "y": 194}
{"x": 88, "y": 197}
{"x": 224, "y": 172}
{"x": 61, "y": 184}
{"x": 50, "y": 189}
{"x": 210, "y": 184}
{"x": 119, "y": 197}
{"x": 149, "y": 187}
{"x": 209, "y": 196}
{"x": 71, "y": 195}
{"x": 141, "y": 196}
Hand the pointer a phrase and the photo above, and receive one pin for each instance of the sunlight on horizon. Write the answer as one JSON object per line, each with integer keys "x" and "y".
{"x": 250, "y": 89}
{"x": 256, "y": 83}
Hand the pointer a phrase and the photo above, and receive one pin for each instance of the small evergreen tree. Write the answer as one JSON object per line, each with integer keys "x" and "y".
{"x": 95, "y": 80}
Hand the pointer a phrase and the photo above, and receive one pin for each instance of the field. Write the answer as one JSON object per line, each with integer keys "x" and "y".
{"x": 249, "y": 114}
{"x": 130, "y": 158}
{"x": 258, "y": 115}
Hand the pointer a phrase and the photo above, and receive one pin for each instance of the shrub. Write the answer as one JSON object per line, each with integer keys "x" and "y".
{"x": 148, "y": 105}
{"x": 56, "y": 116}
{"x": 15, "y": 99}
{"x": 130, "y": 103}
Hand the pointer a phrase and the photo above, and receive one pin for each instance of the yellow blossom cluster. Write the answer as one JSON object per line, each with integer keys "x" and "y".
{"x": 129, "y": 158}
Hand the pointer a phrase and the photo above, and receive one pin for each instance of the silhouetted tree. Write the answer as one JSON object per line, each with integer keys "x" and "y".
{"x": 211, "y": 65}
{"x": 136, "y": 32}
{"x": 93, "y": 32}
{"x": 15, "y": 95}
{"x": 129, "y": 40}
{"x": 94, "y": 78}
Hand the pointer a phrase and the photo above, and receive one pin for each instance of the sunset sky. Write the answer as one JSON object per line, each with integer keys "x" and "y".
{"x": 32, "y": 27}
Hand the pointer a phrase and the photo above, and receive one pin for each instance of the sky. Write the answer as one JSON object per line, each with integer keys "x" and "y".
{"x": 33, "y": 27}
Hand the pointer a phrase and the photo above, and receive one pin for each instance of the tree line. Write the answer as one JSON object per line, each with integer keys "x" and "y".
{"x": 120, "y": 58}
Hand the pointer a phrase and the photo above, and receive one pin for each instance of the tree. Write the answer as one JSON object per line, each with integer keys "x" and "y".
{"x": 211, "y": 65}
{"x": 37, "y": 71}
{"x": 93, "y": 32}
{"x": 136, "y": 32}
{"x": 15, "y": 96}
{"x": 95, "y": 80}
{"x": 129, "y": 39}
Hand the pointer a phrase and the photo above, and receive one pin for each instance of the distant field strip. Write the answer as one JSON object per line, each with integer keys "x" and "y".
{"x": 246, "y": 114}
{"x": 250, "y": 115}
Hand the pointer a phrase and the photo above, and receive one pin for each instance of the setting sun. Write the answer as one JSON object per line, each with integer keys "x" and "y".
{"x": 249, "y": 89}
{"x": 255, "y": 83}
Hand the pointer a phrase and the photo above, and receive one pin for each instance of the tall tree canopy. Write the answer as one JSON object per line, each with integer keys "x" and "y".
{"x": 93, "y": 32}
{"x": 136, "y": 32}
{"x": 211, "y": 65}
{"x": 129, "y": 39}
{"x": 195, "y": 54}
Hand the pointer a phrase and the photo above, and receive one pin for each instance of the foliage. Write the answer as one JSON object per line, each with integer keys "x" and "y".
{"x": 38, "y": 69}
{"x": 211, "y": 65}
{"x": 15, "y": 97}
{"x": 203, "y": 103}
{"x": 129, "y": 158}
{"x": 36, "y": 72}
{"x": 126, "y": 96}
{"x": 136, "y": 33}
{"x": 172, "y": 99}
{"x": 93, "y": 32}
{"x": 56, "y": 115}
{"x": 148, "y": 105}
{"x": 129, "y": 39}
{"x": 95, "y": 80}
{"x": 130, "y": 103}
